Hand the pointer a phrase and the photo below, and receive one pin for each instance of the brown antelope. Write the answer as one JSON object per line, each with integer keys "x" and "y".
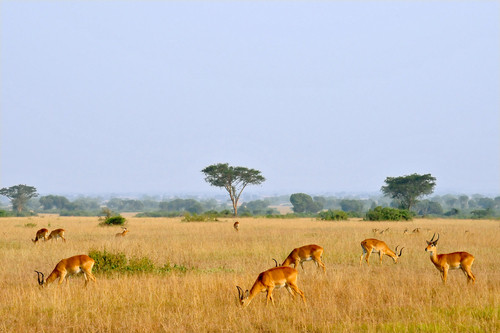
{"x": 69, "y": 266}
{"x": 58, "y": 233}
{"x": 455, "y": 260}
{"x": 236, "y": 225}
{"x": 374, "y": 245}
{"x": 123, "y": 233}
{"x": 267, "y": 281}
{"x": 41, "y": 234}
{"x": 416, "y": 230}
{"x": 305, "y": 253}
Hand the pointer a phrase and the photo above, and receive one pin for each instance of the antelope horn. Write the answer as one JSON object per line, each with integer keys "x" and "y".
{"x": 432, "y": 239}
{"x": 276, "y": 262}
{"x": 40, "y": 281}
{"x": 240, "y": 292}
{"x": 396, "y": 249}
{"x": 401, "y": 251}
{"x": 435, "y": 242}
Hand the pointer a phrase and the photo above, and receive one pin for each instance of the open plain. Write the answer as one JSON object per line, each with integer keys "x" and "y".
{"x": 202, "y": 296}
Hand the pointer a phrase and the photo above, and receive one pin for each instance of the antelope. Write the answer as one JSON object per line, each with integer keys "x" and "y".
{"x": 236, "y": 225}
{"x": 385, "y": 230}
{"x": 405, "y": 232}
{"x": 69, "y": 266}
{"x": 455, "y": 260}
{"x": 305, "y": 253}
{"x": 416, "y": 230}
{"x": 42, "y": 233}
{"x": 374, "y": 245}
{"x": 123, "y": 233}
{"x": 267, "y": 281}
{"x": 58, "y": 233}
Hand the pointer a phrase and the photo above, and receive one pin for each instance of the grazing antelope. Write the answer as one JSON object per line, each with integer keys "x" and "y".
{"x": 455, "y": 260}
{"x": 267, "y": 281}
{"x": 385, "y": 230}
{"x": 41, "y": 234}
{"x": 405, "y": 232}
{"x": 58, "y": 233}
{"x": 123, "y": 233}
{"x": 416, "y": 230}
{"x": 375, "y": 230}
{"x": 374, "y": 245}
{"x": 305, "y": 253}
{"x": 236, "y": 225}
{"x": 69, "y": 266}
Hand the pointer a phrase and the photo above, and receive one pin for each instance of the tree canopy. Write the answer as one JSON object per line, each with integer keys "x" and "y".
{"x": 19, "y": 195}
{"x": 408, "y": 189}
{"x": 303, "y": 203}
{"x": 232, "y": 179}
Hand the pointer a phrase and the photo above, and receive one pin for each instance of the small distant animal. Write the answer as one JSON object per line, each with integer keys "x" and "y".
{"x": 69, "y": 266}
{"x": 416, "y": 230}
{"x": 123, "y": 233}
{"x": 374, "y": 245}
{"x": 58, "y": 233}
{"x": 236, "y": 225}
{"x": 382, "y": 231}
{"x": 375, "y": 230}
{"x": 406, "y": 231}
{"x": 41, "y": 234}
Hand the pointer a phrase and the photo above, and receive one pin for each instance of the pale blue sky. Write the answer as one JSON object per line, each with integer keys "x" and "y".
{"x": 321, "y": 96}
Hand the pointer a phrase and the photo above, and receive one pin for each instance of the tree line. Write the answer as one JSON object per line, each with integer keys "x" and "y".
{"x": 404, "y": 193}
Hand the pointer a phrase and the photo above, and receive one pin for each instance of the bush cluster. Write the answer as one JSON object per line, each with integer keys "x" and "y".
{"x": 388, "y": 214}
{"x": 333, "y": 215}
{"x": 108, "y": 262}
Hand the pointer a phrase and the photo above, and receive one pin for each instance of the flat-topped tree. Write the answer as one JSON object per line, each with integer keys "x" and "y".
{"x": 232, "y": 179}
{"x": 19, "y": 195}
{"x": 408, "y": 189}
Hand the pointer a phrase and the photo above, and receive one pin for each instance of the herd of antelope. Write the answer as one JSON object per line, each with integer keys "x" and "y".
{"x": 280, "y": 276}
{"x": 68, "y": 266}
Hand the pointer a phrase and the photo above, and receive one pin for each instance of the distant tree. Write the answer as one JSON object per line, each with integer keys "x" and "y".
{"x": 464, "y": 201}
{"x": 303, "y": 203}
{"x": 233, "y": 179}
{"x": 351, "y": 205}
{"x": 426, "y": 207}
{"x": 486, "y": 203}
{"x": 54, "y": 201}
{"x": 408, "y": 189}
{"x": 19, "y": 195}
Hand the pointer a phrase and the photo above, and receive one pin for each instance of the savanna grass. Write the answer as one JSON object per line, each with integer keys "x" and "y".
{"x": 202, "y": 297}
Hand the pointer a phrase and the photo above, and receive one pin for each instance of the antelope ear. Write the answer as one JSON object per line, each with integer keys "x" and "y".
{"x": 428, "y": 243}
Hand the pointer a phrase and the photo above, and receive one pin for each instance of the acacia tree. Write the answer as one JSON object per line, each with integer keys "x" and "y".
{"x": 19, "y": 195}
{"x": 408, "y": 189}
{"x": 232, "y": 179}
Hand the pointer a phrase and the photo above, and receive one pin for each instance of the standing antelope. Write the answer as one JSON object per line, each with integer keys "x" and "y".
{"x": 69, "y": 266}
{"x": 41, "y": 234}
{"x": 236, "y": 225}
{"x": 455, "y": 260}
{"x": 123, "y": 233}
{"x": 305, "y": 253}
{"x": 267, "y": 281}
{"x": 58, "y": 233}
{"x": 374, "y": 245}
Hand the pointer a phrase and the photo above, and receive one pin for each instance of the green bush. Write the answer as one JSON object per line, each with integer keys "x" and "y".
{"x": 388, "y": 214}
{"x": 115, "y": 220}
{"x": 107, "y": 262}
{"x": 333, "y": 215}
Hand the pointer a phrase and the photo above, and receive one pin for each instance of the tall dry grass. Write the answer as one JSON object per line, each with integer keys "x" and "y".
{"x": 406, "y": 297}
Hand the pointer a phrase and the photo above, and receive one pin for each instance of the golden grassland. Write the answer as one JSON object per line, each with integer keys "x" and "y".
{"x": 404, "y": 297}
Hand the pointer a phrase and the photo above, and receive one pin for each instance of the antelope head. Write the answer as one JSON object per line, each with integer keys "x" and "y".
{"x": 242, "y": 296}
{"x": 431, "y": 245}
{"x": 397, "y": 255}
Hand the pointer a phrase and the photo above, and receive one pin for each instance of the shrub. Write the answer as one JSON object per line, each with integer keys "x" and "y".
{"x": 115, "y": 220}
{"x": 333, "y": 215}
{"x": 388, "y": 214}
{"x": 30, "y": 225}
{"x": 108, "y": 262}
